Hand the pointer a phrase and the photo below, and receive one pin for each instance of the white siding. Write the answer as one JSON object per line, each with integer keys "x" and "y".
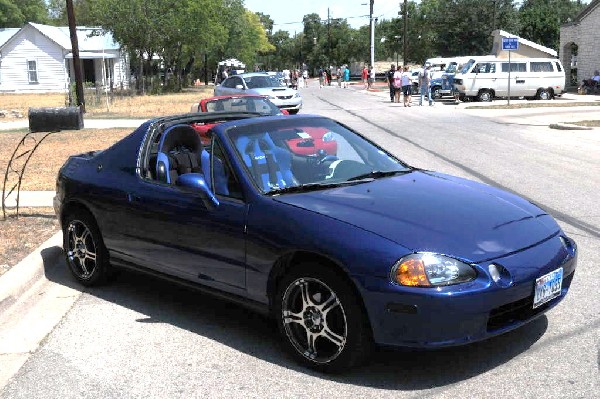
{"x": 30, "y": 44}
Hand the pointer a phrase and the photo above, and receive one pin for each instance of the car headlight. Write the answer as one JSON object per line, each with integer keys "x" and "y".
{"x": 430, "y": 270}
{"x": 297, "y": 95}
{"x": 328, "y": 137}
{"x": 272, "y": 97}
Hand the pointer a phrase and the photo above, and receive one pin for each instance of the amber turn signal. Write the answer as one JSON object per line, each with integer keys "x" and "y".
{"x": 411, "y": 272}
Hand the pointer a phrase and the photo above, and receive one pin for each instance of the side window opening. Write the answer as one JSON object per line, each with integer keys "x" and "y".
{"x": 223, "y": 181}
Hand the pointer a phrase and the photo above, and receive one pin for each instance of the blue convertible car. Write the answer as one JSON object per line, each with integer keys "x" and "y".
{"x": 345, "y": 251}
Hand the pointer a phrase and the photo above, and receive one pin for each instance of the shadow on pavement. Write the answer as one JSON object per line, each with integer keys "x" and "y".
{"x": 253, "y": 334}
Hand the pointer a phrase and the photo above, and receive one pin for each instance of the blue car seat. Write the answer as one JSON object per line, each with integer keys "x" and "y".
{"x": 179, "y": 152}
{"x": 270, "y": 165}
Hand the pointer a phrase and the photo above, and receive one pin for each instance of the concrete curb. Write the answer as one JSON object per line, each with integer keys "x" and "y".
{"x": 566, "y": 126}
{"x": 19, "y": 278}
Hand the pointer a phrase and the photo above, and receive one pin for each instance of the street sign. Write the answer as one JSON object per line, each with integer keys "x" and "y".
{"x": 510, "y": 43}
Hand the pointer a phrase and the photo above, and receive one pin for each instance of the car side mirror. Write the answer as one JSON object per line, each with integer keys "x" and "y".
{"x": 196, "y": 183}
{"x": 239, "y": 87}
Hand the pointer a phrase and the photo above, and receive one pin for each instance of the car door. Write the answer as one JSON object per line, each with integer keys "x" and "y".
{"x": 178, "y": 235}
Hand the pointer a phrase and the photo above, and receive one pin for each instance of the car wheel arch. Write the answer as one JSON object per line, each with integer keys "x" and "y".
{"x": 74, "y": 206}
{"x": 297, "y": 258}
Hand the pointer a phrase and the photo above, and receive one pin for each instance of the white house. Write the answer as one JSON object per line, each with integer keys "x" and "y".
{"x": 39, "y": 58}
{"x": 580, "y": 43}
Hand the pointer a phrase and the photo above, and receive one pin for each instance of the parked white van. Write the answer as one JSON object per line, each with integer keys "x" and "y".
{"x": 484, "y": 79}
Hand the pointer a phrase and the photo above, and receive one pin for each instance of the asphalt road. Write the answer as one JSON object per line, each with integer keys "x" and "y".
{"x": 143, "y": 338}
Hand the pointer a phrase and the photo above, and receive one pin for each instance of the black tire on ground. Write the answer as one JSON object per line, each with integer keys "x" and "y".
{"x": 321, "y": 320}
{"x": 543, "y": 94}
{"x": 84, "y": 248}
{"x": 436, "y": 93}
{"x": 293, "y": 111}
{"x": 485, "y": 96}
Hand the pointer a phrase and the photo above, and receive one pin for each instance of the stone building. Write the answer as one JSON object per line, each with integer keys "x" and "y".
{"x": 580, "y": 44}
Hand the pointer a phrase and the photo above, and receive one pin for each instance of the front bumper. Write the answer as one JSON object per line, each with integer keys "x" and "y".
{"x": 464, "y": 313}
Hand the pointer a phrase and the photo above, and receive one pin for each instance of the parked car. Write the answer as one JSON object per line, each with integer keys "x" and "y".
{"x": 343, "y": 251}
{"x": 263, "y": 84}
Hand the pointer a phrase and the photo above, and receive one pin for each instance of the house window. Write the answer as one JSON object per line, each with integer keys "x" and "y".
{"x": 32, "y": 71}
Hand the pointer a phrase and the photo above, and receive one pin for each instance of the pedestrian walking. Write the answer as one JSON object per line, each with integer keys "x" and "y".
{"x": 389, "y": 75}
{"x": 322, "y": 76}
{"x": 305, "y": 77}
{"x": 346, "y": 77}
{"x": 406, "y": 87}
{"x": 371, "y": 76}
{"x": 425, "y": 83}
{"x": 339, "y": 76}
{"x": 365, "y": 76}
{"x": 397, "y": 82}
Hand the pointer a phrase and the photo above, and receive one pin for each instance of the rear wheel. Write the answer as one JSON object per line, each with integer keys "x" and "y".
{"x": 485, "y": 96}
{"x": 321, "y": 320}
{"x": 543, "y": 94}
{"x": 84, "y": 248}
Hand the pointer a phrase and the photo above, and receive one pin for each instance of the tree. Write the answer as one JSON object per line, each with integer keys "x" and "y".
{"x": 82, "y": 8}
{"x": 16, "y": 13}
{"x": 541, "y": 19}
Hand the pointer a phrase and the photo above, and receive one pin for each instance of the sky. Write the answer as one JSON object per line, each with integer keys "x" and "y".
{"x": 288, "y": 15}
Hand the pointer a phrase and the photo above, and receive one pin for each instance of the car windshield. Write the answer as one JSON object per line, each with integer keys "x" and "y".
{"x": 243, "y": 104}
{"x": 301, "y": 154}
{"x": 262, "y": 81}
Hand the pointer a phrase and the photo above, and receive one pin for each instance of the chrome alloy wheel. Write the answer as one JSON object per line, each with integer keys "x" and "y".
{"x": 314, "y": 320}
{"x": 81, "y": 249}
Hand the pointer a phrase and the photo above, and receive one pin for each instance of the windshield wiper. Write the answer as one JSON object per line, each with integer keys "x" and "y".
{"x": 375, "y": 174}
{"x": 303, "y": 188}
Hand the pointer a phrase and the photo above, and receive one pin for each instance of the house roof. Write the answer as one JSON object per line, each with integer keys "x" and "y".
{"x": 529, "y": 43}
{"x": 89, "y": 39}
{"x": 6, "y": 34}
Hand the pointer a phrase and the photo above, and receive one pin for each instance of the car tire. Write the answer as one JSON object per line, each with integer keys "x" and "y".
{"x": 84, "y": 249}
{"x": 321, "y": 319}
{"x": 485, "y": 96}
{"x": 543, "y": 94}
{"x": 293, "y": 111}
{"x": 436, "y": 93}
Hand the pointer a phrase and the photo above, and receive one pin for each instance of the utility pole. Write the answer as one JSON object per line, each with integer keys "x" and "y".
{"x": 328, "y": 40}
{"x": 75, "y": 51}
{"x": 372, "y": 34}
{"x": 405, "y": 23}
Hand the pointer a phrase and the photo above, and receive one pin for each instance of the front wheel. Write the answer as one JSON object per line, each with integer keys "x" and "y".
{"x": 84, "y": 248}
{"x": 485, "y": 96}
{"x": 543, "y": 94}
{"x": 436, "y": 93}
{"x": 321, "y": 320}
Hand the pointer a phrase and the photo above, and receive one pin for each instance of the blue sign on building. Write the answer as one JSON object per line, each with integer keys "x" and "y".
{"x": 510, "y": 43}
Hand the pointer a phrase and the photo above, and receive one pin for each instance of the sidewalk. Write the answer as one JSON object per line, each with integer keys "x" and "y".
{"x": 30, "y": 199}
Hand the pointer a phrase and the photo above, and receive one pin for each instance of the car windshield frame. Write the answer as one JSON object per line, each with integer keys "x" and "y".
{"x": 372, "y": 163}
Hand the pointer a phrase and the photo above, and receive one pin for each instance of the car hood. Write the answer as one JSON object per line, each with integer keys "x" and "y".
{"x": 431, "y": 212}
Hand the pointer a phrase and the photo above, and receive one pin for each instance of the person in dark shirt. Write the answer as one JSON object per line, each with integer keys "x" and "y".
{"x": 390, "y": 80}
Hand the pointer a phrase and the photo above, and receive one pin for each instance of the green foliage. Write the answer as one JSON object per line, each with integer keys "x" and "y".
{"x": 16, "y": 13}
{"x": 541, "y": 19}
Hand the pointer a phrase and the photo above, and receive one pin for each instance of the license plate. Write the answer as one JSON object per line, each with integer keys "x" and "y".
{"x": 548, "y": 287}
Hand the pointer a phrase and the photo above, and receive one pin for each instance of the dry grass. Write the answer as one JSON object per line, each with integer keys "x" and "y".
{"x": 591, "y": 123}
{"x": 118, "y": 107}
{"x": 18, "y": 237}
{"x": 53, "y": 152}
